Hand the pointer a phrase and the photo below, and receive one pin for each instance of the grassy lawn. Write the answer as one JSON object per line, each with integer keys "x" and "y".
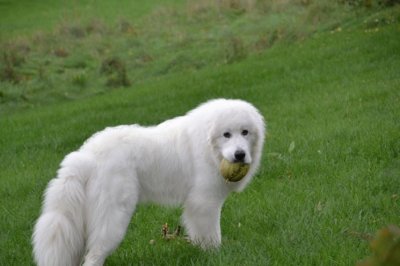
{"x": 330, "y": 176}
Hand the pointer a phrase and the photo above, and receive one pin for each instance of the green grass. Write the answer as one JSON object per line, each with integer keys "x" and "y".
{"x": 330, "y": 170}
{"x": 27, "y": 17}
{"x": 89, "y": 54}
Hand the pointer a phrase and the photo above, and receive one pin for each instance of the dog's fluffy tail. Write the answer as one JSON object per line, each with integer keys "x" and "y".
{"x": 59, "y": 237}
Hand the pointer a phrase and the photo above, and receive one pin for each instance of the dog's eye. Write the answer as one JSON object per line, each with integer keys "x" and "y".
{"x": 227, "y": 135}
{"x": 245, "y": 132}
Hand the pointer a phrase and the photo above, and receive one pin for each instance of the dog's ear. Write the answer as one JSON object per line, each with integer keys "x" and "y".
{"x": 212, "y": 136}
{"x": 260, "y": 132}
{"x": 212, "y": 141}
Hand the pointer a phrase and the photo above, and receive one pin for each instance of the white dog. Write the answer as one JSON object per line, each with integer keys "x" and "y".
{"x": 88, "y": 207}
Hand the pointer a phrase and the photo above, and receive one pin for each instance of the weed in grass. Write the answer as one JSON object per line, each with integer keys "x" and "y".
{"x": 42, "y": 72}
{"x": 8, "y": 72}
{"x": 235, "y": 50}
{"x": 80, "y": 79}
{"x": 61, "y": 52}
{"x": 266, "y": 41}
{"x": 144, "y": 59}
{"x": 96, "y": 26}
{"x": 76, "y": 31}
{"x": 127, "y": 28}
{"x": 115, "y": 71}
{"x": 385, "y": 248}
{"x": 77, "y": 62}
{"x": 13, "y": 58}
{"x": 238, "y": 6}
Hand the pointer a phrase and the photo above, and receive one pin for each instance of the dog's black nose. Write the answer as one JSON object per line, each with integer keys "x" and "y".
{"x": 239, "y": 155}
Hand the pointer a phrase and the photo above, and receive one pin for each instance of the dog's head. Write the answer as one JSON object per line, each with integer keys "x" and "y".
{"x": 235, "y": 142}
{"x": 237, "y": 133}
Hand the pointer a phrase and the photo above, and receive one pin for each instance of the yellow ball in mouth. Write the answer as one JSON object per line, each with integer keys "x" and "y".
{"x": 233, "y": 172}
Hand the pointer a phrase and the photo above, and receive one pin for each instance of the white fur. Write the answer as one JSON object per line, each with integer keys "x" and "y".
{"x": 88, "y": 207}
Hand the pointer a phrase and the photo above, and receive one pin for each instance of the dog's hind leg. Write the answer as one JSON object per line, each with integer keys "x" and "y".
{"x": 112, "y": 203}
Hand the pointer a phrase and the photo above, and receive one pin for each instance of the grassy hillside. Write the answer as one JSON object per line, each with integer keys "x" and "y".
{"x": 27, "y": 17}
{"x": 90, "y": 53}
{"x": 330, "y": 172}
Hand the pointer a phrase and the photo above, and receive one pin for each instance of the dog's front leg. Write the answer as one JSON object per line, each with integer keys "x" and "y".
{"x": 201, "y": 218}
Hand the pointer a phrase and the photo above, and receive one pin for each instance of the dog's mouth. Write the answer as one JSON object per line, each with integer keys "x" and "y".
{"x": 233, "y": 172}
{"x": 237, "y": 157}
{"x": 235, "y": 161}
